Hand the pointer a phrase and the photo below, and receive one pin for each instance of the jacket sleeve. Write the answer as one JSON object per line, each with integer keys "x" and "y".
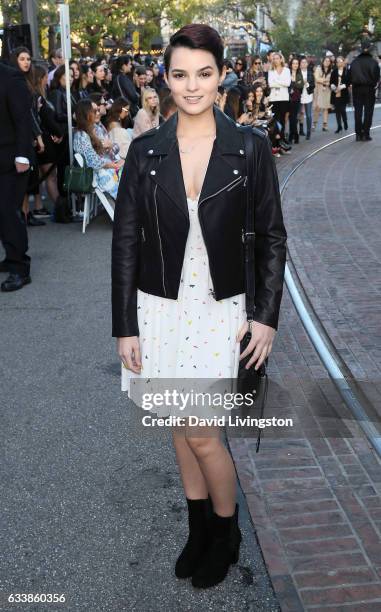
{"x": 270, "y": 239}
{"x": 124, "y": 251}
{"x": 20, "y": 103}
{"x": 48, "y": 121}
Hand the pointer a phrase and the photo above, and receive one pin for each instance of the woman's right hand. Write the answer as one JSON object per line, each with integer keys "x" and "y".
{"x": 129, "y": 352}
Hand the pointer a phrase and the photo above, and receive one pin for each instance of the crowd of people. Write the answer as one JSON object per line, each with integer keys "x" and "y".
{"x": 116, "y": 99}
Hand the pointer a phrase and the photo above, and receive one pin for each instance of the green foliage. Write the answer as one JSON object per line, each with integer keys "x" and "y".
{"x": 93, "y": 20}
{"x": 336, "y": 25}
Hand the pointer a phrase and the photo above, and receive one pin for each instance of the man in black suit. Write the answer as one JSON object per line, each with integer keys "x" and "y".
{"x": 15, "y": 155}
{"x": 364, "y": 76}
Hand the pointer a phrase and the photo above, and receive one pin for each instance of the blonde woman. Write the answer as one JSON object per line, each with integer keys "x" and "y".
{"x": 279, "y": 80}
{"x": 148, "y": 116}
{"x": 322, "y": 94}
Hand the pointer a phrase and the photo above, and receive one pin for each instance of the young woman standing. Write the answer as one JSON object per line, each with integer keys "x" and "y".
{"x": 279, "y": 80}
{"x": 322, "y": 95}
{"x": 178, "y": 276}
{"x": 307, "y": 96}
{"x": 339, "y": 82}
{"x": 296, "y": 88}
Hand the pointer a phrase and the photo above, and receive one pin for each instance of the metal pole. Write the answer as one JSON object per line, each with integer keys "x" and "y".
{"x": 66, "y": 54}
{"x": 29, "y": 16}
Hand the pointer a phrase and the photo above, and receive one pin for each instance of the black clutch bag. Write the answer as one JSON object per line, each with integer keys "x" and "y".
{"x": 251, "y": 381}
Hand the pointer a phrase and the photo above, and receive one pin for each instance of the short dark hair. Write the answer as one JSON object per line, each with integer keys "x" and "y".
{"x": 58, "y": 73}
{"x": 96, "y": 97}
{"x": 167, "y": 105}
{"x": 139, "y": 70}
{"x": 196, "y": 36}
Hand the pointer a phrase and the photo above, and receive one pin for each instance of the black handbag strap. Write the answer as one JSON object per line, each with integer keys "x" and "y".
{"x": 249, "y": 244}
{"x": 249, "y": 233}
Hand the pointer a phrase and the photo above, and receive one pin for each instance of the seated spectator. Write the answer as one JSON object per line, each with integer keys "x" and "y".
{"x": 118, "y": 134}
{"x": 90, "y": 147}
{"x": 110, "y": 149}
{"x": 148, "y": 116}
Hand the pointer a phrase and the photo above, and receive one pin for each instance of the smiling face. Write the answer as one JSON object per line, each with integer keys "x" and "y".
{"x": 193, "y": 79}
{"x": 24, "y": 61}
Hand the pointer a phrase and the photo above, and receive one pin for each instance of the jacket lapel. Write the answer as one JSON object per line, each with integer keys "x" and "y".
{"x": 219, "y": 174}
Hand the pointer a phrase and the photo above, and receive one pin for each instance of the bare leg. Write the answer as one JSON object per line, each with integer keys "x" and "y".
{"x": 37, "y": 201}
{"x": 325, "y": 116}
{"x": 25, "y": 204}
{"x": 216, "y": 466}
{"x": 316, "y": 115}
{"x": 194, "y": 483}
{"x": 51, "y": 182}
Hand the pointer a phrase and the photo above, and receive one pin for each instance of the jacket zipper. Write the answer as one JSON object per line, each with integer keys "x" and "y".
{"x": 241, "y": 178}
{"x": 213, "y": 293}
{"x": 160, "y": 245}
{"x": 143, "y": 234}
{"x": 220, "y": 190}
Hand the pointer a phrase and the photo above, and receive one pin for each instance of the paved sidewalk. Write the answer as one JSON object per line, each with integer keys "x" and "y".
{"x": 91, "y": 502}
{"x": 315, "y": 494}
{"x": 94, "y": 506}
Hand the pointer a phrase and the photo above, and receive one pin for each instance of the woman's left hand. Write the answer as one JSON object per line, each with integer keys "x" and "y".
{"x": 262, "y": 338}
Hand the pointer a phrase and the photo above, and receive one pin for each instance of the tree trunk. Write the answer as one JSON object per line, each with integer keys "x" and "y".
{"x": 51, "y": 38}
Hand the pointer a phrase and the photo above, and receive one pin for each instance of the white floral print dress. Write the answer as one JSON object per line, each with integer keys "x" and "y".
{"x": 193, "y": 337}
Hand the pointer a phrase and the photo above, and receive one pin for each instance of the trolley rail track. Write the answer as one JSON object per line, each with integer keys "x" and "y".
{"x": 350, "y": 391}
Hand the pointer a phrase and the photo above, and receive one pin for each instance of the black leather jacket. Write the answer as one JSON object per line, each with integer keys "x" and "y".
{"x": 364, "y": 71}
{"x": 151, "y": 222}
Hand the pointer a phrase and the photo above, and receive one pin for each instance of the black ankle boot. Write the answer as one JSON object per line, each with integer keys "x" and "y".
{"x": 301, "y": 130}
{"x": 223, "y": 551}
{"x": 199, "y": 518}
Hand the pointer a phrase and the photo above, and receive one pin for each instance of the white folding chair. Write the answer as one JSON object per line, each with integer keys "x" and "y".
{"x": 92, "y": 200}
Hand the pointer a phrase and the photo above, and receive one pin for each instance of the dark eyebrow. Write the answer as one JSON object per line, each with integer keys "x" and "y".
{"x": 200, "y": 69}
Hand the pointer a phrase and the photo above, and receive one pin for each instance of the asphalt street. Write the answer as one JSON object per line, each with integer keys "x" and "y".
{"x": 92, "y": 505}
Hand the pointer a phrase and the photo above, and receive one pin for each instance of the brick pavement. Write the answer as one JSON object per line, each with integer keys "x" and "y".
{"x": 315, "y": 493}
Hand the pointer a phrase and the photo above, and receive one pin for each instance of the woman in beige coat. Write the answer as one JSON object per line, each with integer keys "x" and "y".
{"x": 322, "y": 94}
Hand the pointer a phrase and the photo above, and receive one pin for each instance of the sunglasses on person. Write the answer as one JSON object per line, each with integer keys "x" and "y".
{"x": 257, "y": 63}
{"x": 238, "y": 63}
